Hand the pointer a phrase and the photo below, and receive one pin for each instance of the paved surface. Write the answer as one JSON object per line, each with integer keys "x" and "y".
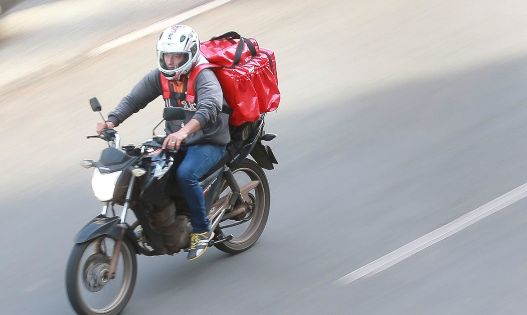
{"x": 41, "y": 36}
{"x": 396, "y": 119}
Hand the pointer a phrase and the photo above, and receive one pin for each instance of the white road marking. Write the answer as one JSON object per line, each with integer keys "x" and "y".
{"x": 37, "y": 285}
{"x": 435, "y": 236}
{"x": 155, "y": 28}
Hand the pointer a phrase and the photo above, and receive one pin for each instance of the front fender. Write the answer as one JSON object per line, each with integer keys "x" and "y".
{"x": 99, "y": 226}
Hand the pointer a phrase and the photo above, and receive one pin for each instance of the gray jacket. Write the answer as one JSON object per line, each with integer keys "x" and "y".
{"x": 207, "y": 110}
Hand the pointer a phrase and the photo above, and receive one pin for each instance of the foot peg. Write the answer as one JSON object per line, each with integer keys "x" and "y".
{"x": 220, "y": 239}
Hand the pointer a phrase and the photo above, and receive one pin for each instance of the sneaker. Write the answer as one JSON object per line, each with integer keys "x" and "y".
{"x": 199, "y": 242}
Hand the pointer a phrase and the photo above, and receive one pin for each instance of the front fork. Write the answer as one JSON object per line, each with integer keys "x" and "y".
{"x": 122, "y": 226}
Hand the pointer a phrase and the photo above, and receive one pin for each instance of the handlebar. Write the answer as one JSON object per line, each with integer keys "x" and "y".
{"x": 112, "y": 135}
{"x": 108, "y": 135}
{"x": 157, "y": 143}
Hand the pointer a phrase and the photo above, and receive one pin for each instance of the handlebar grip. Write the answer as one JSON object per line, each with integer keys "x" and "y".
{"x": 108, "y": 134}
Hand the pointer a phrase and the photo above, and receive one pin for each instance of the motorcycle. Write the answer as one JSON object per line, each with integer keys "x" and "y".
{"x": 102, "y": 266}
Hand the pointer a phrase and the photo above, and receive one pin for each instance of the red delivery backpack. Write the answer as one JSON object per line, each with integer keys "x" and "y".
{"x": 247, "y": 75}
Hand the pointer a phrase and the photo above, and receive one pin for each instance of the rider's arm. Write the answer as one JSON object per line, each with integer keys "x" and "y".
{"x": 209, "y": 96}
{"x": 143, "y": 93}
{"x": 192, "y": 126}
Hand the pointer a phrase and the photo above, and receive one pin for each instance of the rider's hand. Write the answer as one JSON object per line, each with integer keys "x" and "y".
{"x": 104, "y": 125}
{"x": 173, "y": 140}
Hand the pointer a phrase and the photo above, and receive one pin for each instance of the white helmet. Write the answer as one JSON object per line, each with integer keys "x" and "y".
{"x": 182, "y": 41}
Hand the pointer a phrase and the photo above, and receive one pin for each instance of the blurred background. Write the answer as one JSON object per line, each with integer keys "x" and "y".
{"x": 396, "y": 118}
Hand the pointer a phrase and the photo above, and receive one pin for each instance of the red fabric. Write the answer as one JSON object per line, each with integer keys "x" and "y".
{"x": 164, "y": 86}
{"x": 221, "y": 51}
{"x": 250, "y": 88}
{"x": 191, "y": 91}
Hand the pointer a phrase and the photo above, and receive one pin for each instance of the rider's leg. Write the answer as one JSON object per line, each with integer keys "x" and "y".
{"x": 197, "y": 161}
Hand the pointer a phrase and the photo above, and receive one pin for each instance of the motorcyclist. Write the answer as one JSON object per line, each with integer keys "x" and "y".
{"x": 205, "y": 132}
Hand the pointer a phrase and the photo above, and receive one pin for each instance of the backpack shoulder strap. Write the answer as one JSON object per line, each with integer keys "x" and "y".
{"x": 191, "y": 91}
{"x": 165, "y": 86}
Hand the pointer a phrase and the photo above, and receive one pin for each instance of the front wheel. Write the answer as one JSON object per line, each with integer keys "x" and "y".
{"x": 247, "y": 228}
{"x": 88, "y": 284}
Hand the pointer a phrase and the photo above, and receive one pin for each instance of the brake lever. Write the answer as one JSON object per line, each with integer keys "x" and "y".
{"x": 90, "y": 137}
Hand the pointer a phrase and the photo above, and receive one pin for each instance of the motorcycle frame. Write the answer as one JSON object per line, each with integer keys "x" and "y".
{"x": 117, "y": 228}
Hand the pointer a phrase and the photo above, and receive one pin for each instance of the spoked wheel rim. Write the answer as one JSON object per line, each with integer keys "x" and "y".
{"x": 249, "y": 224}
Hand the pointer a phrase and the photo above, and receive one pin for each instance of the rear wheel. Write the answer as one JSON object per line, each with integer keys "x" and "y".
{"x": 247, "y": 227}
{"x": 89, "y": 287}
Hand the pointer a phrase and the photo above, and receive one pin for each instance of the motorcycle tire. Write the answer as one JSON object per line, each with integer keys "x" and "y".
{"x": 260, "y": 212}
{"x": 77, "y": 273}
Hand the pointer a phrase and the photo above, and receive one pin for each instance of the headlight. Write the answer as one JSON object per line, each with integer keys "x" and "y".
{"x": 103, "y": 185}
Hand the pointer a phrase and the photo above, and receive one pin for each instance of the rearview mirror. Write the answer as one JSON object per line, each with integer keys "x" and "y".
{"x": 95, "y": 105}
{"x": 174, "y": 113}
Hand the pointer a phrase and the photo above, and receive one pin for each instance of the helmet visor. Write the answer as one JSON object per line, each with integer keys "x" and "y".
{"x": 173, "y": 60}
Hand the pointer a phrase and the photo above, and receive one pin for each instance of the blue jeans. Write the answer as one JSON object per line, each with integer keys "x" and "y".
{"x": 198, "y": 160}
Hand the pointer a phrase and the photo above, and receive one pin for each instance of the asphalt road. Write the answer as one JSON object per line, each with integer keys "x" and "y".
{"x": 42, "y": 36}
{"x": 396, "y": 119}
